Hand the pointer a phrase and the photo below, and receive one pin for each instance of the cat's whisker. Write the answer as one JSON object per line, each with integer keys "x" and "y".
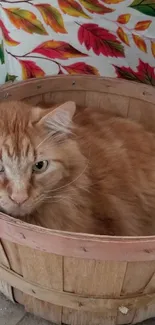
{"x": 54, "y": 201}
{"x": 58, "y": 198}
{"x": 50, "y": 135}
{"x": 45, "y": 139}
{"x": 67, "y": 190}
{"x": 73, "y": 181}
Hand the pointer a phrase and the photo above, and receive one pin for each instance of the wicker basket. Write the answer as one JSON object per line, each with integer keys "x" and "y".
{"x": 79, "y": 278}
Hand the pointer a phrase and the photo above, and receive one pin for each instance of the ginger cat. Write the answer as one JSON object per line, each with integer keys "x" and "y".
{"x": 83, "y": 172}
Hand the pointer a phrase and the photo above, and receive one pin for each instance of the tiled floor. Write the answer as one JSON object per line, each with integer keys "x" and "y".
{"x": 11, "y": 314}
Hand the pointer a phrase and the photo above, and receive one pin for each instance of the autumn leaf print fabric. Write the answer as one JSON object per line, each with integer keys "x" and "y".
{"x": 112, "y": 38}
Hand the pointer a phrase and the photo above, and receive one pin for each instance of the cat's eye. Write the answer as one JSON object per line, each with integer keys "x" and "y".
{"x": 1, "y": 168}
{"x": 40, "y": 166}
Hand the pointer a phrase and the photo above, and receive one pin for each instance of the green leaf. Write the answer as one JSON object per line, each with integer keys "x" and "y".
{"x": 146, "y": 7}
{"x": 10, "y": 77}
{"x": 25, "y": 20}
{"x": 2, "y": 59}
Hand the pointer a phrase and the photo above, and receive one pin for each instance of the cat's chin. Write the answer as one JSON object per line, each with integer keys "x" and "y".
{"x": 19, "y": 215}
{"x": 16, "y": 213}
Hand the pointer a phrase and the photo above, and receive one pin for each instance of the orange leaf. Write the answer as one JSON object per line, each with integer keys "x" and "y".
{"x": 153, "y": 48}
{"x": 6, "y": 36}
{"x": 123, "y": 36}
{"x": 123, "y": 19}
{"x": 142, "y": 25}
{"x": 26, "y": 20}
{"x": 112, "y": 1}
{"x": 72, "y": 8}
{"x": 140, "y": 43}
{"x": 52, "y": 17}
{"x": 30, "y": 70}
{"x": 81, "y": 68}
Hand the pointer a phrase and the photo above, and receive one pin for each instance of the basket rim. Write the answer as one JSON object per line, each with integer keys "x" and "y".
{"x": 36, "y": 86}
{"x": 112, "y": 248}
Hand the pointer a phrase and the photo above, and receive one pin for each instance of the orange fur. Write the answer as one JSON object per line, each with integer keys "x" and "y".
{"x": 100, "y": 176}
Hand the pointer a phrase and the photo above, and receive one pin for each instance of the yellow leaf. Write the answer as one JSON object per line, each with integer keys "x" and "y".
{"x": 123, "y": 19}
{"x": 94, "y": 6}
{"x": 142, "y": 25}
{"x": 112, "y": 1}
{"x": 52, "y": 17}
{"x": 72, "y": 8}
{"x": 122, "y": 35}
{"x": 140, "y": 43}
{"x": 153, "y": 48}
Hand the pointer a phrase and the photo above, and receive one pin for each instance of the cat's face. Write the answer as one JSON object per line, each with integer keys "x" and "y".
{"x": 34, "y": 153}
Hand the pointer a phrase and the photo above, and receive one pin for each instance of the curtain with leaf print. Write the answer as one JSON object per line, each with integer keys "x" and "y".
{"x": 112, "y": 38}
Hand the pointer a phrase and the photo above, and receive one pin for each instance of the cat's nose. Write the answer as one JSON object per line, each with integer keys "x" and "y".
{"x": 19, "y": 198}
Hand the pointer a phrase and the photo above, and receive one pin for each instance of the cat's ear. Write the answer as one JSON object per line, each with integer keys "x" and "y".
{"x": 59, "y": 119}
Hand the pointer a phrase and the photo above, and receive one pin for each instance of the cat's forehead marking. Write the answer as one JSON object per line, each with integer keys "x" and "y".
{"x": 14, "y": 148}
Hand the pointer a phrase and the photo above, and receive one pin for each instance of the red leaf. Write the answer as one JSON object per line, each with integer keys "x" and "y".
{"x": 80, "y": 68}
{"x": 58, "y": 50}
{"x": 144, "y": 74}
{"x": 30, "y": 69}
{"x": 6, "y": 36}
{"x": 100, "y": 40}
